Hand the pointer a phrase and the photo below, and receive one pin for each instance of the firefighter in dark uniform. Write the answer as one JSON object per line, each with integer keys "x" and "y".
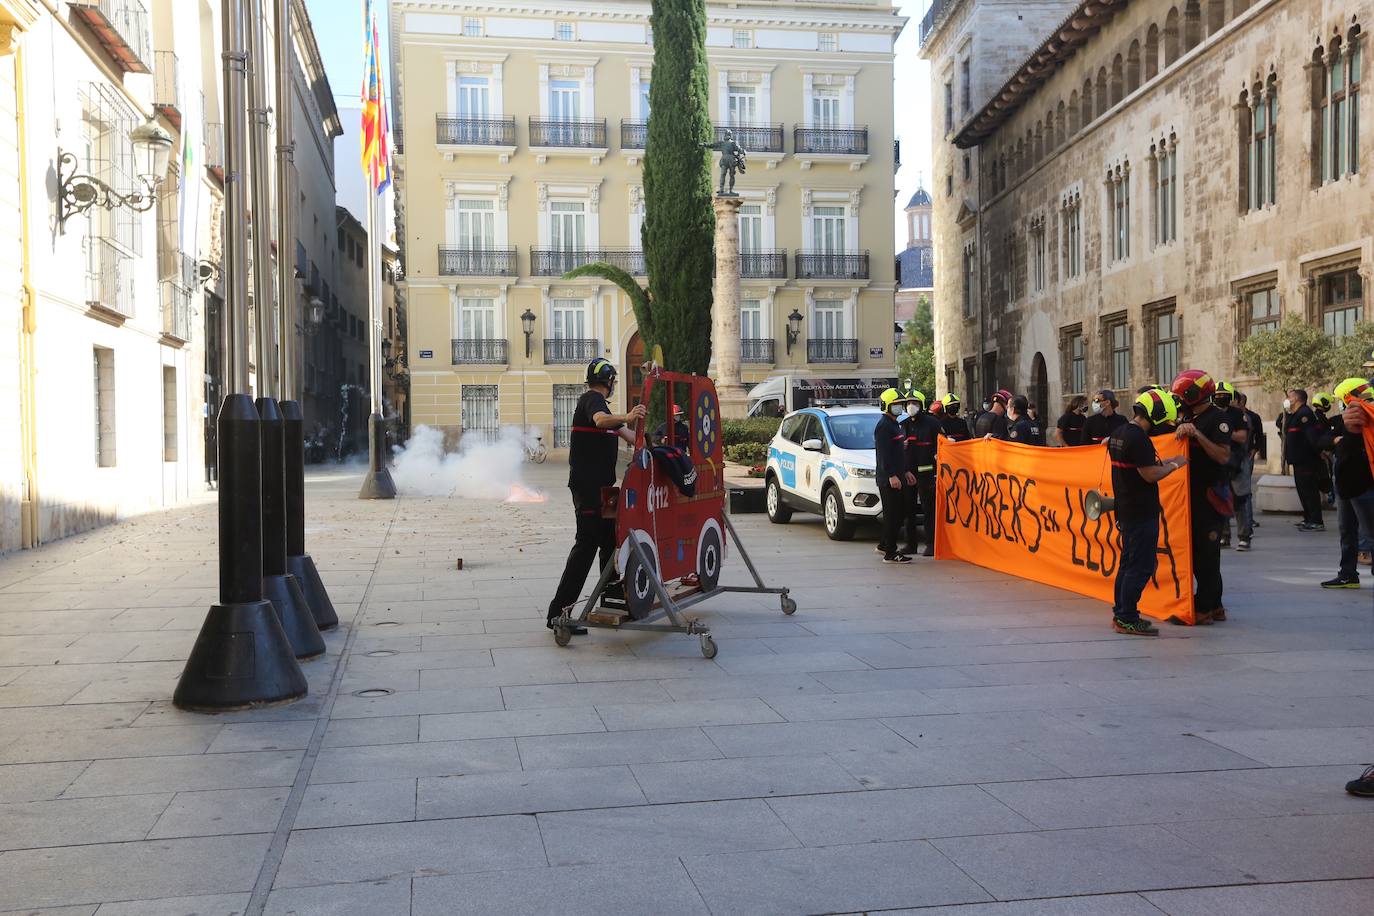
{"x": 1102, "y": 418}
{"x": 889, "y": 453}
{"x": 955, "y": 427}
{"x": 923, "y": 431}
{"x": 1022, "y": 428}
{"x": 992, "y": 424}
{"x": 595, "y": 445}
{"x": 1301, "y": 436}
{"x": 1321, "y": 409}
{"x": 1208, "y": 431}
{"x": 1225, "y": 401}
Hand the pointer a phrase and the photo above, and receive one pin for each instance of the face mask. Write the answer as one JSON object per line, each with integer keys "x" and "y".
{"x": 987, "y": 405}
{"x": 1287, "y": 404}
{"x": 952, "y": 410}
{"x": 913, "y": 409}
{"x": 1097, "y": 407}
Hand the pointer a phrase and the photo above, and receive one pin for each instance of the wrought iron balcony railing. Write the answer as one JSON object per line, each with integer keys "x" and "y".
{"x": 755, "y": 138}
{"x": 461, "y": 131}
{"x": 570, "y": 350}
{"x": 109, "y": 276}
{"x": 756, "y": 349}
{"x": 476, "y": 262}
{"x": 763, "y": 264}
{"x": 832, "y": 265}
{"x": 554, "y": 262}
{"x": 832, "y": 350}
{"x": 121, "y": 27}
{"x": 576, "y": 133}
{"x": 214, "y": 148}
{"x": 634, "y": 134}
{"x": 167, "y": 86}
{"x": 176, "y": 310}
{"x": 485, "y": 351}
{"x": 835, "y": 141}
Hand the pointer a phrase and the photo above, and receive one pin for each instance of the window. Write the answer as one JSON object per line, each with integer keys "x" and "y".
{"x": 1259, "y": 140}
{"x": 1338, "y": 141}
{"x": 474, "y": 224}
{"x": 950, "y": 378}
{"x": 742, "y": 38}
{"x": 564, "y": 31}
{"x": 742, "y": 105}
{"x": 104, "y": 414}
{"x": 949, "y": 106}
{"x": 826, "y": 41}
{"x": 343, "y": 241}
{"x": 472, "y": 27}
{"x": 1011, "y": 275}
{"x": 1038, "y": 274}
{"x": 569, "y": 319}
{"x": 169, "y": 413}
{"x": 1166, "y": 333}
{"x": 568, "y": 225}
{"x": 751, "y": 319}
{"x": 644, "y": 100}
{"x": 827, "y": 230}
{"x": 971, "y": 381}
{"x": 1342, "y": 301}
{"x": 476, "y": 319}
{"x": 1164, "y": 199}
{"x": 1261, "y": 312}
{"x": 1119, "y": 341}
{"x": 481, "y": 414}
{"x": 1076, "y": 354}
{"x": 751, "y": 228}
{"x": 968, "y": 167}
{"x": 825, "y": 108}
{"x": 828, "y": 321}
{"x": 949, "y": 185}
{"x": 565, "y": 101}
{"x": 970, "y": 265}
{"x": 1119, "y": 211}
{"x": 965, "y": 86}
{"x": 1072, "y": 212}
{"x": 474, "y": 97}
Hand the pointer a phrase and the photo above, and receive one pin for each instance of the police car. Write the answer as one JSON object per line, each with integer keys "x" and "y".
{"x": 821, "y": 460}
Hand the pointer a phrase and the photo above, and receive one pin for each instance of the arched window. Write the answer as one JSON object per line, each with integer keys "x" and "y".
{"x": 1336, "y": 97}
{"x": 1103, "y": 100}
{"x": 1216, "y": 16}
{"x": 1152, "y": 52}
{"x": 1172, "y": 36}
{"x": 1259, "y": 143}
{"x": 1087, "y": 107}
{"x": 1133, "y": 68}
{"x": 1020, "y": 158}
{"x": 1038, "y": 143}
{"x": 1118, "y": 80}
{"x": 1192, "y": 25}
{"x": 1074, "y": 113}
{"x": 1059, "y": 126}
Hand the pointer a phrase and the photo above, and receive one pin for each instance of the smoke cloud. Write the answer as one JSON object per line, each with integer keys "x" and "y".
{"x": 480, "y": 469}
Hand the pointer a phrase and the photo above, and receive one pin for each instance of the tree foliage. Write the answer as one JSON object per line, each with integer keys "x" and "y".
{"x": 1296, "y": 354}
{"x": 678, "y": 233}
{"x": 1350, "y": 353}
{"x": 916, "y": 355}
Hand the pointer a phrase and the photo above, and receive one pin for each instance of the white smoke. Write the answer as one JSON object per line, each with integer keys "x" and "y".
{"x": 480, "y": 469}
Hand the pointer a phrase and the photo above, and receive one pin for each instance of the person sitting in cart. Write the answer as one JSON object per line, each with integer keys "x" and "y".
{"x": 592, "y": 455}
{"x": 681, "y": 434}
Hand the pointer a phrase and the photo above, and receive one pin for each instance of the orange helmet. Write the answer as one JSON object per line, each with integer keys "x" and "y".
{"x": 937, "y": 407}
{"x": 1193, "y": 387}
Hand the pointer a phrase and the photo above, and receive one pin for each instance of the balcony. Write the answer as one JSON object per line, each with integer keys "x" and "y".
{"x": 109, "y": 279}
{"x": 455, "y": 134}
{"x": 756, "y": 350}
{"x": 759, "y": 264}
{"x": 167, "y": 87}
{"x": 932, "y": 18}
{"x": 480, "y": 351}
{"x": 832, "y": 350}
{"x": 586, "y": 136}
{"x": 121, "y": 27}
{"x": 176, "y": 311}
{"x": 825, "y": 265}
{"x": 831, "y": 144}
{"x": 214, "y": 149}
{"x": 570, "y": 350}
{"x": 755, "y": 138}
{"x": 476, "y": 262}
{"x": 634, "y": 135}
{"x": 554, "y": 262}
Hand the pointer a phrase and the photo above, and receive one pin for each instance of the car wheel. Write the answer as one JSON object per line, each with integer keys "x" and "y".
{"x": 778, "y": 511}
{"x": 837, "y": 526}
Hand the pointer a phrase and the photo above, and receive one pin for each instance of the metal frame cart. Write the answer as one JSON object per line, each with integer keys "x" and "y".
{"x": 663, "y": 535}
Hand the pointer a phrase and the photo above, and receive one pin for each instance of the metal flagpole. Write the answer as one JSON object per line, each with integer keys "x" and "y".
{"x": 378, "y": 483}
{"x": 241, "y": 656}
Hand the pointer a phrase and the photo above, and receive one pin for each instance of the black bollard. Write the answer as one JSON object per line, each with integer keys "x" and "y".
{"x": 378, "y": 483}
{"x": 279, "y": 586}
{"x": 298, "y": 562}
{"x": 242, "y": 656}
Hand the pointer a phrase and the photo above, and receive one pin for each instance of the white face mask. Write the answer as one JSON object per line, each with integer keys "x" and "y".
{"x": 894, "y": 409}
{"x": 913, "y": 409}
{"x": 1096, "y": 407}
{"x": 1287, "y": 404}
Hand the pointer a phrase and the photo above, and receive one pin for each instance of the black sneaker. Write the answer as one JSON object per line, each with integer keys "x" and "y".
{"x": 1364, "y": 786}
{"x": 1305, "y": 526}
{"x": 1138, "y": 627}
{"x": 1342, "y": 582}
{"x": 896, "y": 558}
{"x": 1243, "y": 544}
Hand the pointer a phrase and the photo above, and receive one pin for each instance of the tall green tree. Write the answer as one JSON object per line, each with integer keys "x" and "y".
{"x": 1296, "y": 354}
{"x": 916, "y": 355}
{"x": 679, "y": 225}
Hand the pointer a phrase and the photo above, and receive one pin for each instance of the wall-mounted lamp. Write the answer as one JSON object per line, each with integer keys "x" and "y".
{"x": 314, "y": 314}
{"x": 794, "y": 321}
{"x": 79, "y": 192}
{"x": 527, "y": 322}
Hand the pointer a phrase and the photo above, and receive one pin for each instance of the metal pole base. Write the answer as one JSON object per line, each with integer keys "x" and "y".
{"x": 294, "y": 612}
{"x": 302, "y": 568}
{"x": 241, "y": 659}
{"x": 378, "y": 483}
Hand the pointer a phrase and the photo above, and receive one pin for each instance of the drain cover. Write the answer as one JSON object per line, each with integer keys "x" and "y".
{"x": 381, "y": 653}
{"x": 374, "y": 692}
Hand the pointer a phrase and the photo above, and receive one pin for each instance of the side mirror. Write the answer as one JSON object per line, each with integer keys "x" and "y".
{"x": 813, "y": 445}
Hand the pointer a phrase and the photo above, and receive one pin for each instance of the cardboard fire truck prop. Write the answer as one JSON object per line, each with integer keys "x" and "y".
{"x": 670, "y": 531}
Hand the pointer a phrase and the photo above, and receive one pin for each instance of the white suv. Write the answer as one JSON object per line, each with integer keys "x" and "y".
{"x": 821, "y": 460}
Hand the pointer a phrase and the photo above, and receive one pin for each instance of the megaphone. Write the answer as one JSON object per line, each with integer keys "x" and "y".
{"x": 1096, "y": 505}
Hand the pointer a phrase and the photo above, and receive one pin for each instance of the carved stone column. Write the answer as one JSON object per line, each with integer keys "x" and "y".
{"x": 725, "y": 346}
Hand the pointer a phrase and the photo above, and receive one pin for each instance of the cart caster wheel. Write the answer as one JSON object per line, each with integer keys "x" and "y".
{"x": 562, "y": 635}
{"x": 789, "y": 607}
{"x": 708, "y": 647}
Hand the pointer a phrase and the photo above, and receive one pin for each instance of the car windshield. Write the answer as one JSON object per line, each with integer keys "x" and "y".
{"x": 853, "y": 430}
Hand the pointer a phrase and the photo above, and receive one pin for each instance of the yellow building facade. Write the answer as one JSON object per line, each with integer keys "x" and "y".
{"x": 520, "y": 138}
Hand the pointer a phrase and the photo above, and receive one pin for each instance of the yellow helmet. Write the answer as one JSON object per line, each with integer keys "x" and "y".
{"x": 1354, "y": 389}
{"x": 1159, "y": 407}
{"x": 888, "y": 398}
{"x": 1321, "y": 401}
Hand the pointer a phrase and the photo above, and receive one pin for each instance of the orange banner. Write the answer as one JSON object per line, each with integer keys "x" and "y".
{"x": 1020, "y": 509}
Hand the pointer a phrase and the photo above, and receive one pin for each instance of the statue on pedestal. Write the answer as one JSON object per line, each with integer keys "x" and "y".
{"x": 732, "y": 160}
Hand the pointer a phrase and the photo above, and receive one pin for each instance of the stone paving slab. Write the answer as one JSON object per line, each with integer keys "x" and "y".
{"x": 937, "y": 736}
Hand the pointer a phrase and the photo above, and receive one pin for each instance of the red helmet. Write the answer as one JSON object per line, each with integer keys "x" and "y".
{"x": 937, "y": 407}
{"x": 1003, "y": 395}
{"x": 1193, "y": 386}
{"x": 677, "y": 411}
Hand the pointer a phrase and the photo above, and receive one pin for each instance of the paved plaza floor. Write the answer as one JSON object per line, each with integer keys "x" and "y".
{"x": 936, "y": 735}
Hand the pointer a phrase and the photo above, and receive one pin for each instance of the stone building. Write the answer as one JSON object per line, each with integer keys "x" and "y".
{"x": 523, "y": 128}
{"x": 1150, "y": 184}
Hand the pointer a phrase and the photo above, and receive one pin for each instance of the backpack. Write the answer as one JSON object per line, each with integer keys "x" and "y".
{"x": 677, "y": 464}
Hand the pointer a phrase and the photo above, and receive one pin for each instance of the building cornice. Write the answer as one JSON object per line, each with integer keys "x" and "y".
{"x": 873, "y": 19}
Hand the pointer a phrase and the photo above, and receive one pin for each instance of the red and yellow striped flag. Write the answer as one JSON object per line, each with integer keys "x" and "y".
{"x": 376, "y": 157}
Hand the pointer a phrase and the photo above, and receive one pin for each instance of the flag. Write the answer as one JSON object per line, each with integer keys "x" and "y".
{"x": 376, "y": 158}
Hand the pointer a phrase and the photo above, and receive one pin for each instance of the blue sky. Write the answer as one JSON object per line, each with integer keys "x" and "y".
{"x": 339, "y": 31}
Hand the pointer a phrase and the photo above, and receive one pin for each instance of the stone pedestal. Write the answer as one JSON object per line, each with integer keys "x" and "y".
{"x": 725, "y": 346}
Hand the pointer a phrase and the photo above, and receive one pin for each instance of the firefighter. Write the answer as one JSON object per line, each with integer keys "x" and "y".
{"x": 591, "y": 465}
{"x": 889, "y": 454}
{"x": 923, "y": 431}
{"x": 1021, "y": 427}
{"x": 992, "y": 424}
{"x": 1225, "y": 401}
{"x": 955, "y": 427}
{"x": 1103, "y": 417}
{"x": 1208, "y": 431}
{"x": 1301, "y": 437}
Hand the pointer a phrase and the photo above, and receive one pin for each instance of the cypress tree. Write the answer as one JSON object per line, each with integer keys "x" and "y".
{"x": 679, "y": 225}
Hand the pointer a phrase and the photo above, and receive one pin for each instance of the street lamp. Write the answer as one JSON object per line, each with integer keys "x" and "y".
{"x": 79, "y": 192}
{"x": 794, "y": 321}
{"x": 386, "y": 348}
{"x": 527, "y": 322}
